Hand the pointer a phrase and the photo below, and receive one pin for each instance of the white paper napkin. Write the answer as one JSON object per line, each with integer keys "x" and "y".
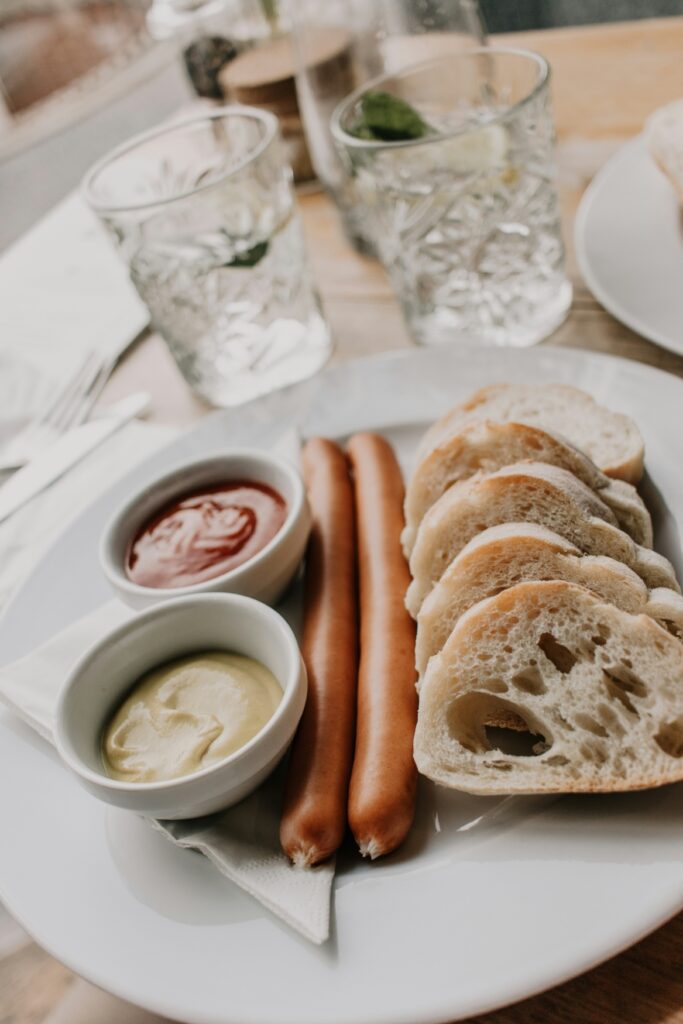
{"x": 243, "y": 842}
{"x": 86, "y": 302}
{"x": 86, "y": 297}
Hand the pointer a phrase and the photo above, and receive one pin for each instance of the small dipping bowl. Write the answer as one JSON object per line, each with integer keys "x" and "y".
{"x": 264, "y": 576}
{"x": 192, "y": 625}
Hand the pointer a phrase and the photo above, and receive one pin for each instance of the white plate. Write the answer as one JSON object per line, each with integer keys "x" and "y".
{"x": 629, "y": 244}
{"x": 490, "y": 901}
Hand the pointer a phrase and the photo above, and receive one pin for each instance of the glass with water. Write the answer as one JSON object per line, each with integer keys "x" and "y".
{"x": 203, "y": 211}
{"x": 341, "y": 45}
{"x": 453, "y": 163}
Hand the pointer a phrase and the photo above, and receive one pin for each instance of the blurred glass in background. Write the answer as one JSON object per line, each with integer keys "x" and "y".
{"x": 203, "y": 213}
{"x": 453, "y": 169}
{"x": 340, "y": 45}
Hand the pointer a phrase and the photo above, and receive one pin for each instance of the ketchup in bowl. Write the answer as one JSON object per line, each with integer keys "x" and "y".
{"x": 204, "y": 534}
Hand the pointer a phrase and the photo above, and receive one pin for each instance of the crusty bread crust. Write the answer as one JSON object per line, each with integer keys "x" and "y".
{"x": 506, "y": 555}
{"x": 600, "y": 690}
{"x": 532, "y": 493}
{"x": 610, "y": 439}
{"x": 486, "y": 446}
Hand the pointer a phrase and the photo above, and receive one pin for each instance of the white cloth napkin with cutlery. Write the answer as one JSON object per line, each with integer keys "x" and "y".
{"x": 64, "y": 292}
{"x": 86, "y": 299}
{"x": 242, "y": 842}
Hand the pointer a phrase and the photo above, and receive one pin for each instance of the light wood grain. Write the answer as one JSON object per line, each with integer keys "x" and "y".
{"x": 31, "y": 983}
{"x": 642, "y": 986}
{"x": 606, "y": 80}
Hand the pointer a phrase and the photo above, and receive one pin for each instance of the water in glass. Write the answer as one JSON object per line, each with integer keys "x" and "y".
{"x": 466, "y": 218}
{"x": 216, "y": 251}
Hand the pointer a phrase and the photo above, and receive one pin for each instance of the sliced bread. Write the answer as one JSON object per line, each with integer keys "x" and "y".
{"x": 504, "y": 556}
{"x": 526, "y": 492}
{"x": 600, "y": 693}
{"x": 610, "y": 439}
{"x": 486, "y": 446}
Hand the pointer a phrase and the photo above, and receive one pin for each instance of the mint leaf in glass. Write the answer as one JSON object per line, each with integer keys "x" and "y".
{"x": 388, "y": 119}
{"x": 250, "y": 257}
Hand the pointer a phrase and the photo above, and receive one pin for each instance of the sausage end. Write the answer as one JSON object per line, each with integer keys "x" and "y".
{"x": 308, "y": 843}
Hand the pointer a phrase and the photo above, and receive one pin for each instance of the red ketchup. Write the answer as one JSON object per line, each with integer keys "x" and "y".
{"x": 204, "y": 534}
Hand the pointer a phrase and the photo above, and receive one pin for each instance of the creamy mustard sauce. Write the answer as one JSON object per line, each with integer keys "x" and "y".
{"x": 187, "y": 715}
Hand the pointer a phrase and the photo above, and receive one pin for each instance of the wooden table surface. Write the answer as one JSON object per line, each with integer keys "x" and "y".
{"x": 606, "y": 80}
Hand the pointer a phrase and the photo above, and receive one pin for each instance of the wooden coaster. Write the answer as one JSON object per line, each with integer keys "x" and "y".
{"x": 265, "y": 74}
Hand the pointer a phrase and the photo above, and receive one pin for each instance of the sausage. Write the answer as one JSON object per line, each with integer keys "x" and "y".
{"x": 384, "y": 776}
{"x": 316, "y": 792}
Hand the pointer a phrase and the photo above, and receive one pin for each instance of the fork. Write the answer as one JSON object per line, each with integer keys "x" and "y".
{"x": 69, "y": 407}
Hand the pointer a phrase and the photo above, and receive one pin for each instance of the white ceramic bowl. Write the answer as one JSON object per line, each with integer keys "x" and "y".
{"x": 104, "y": 675}
{"x": 265, "y": 576}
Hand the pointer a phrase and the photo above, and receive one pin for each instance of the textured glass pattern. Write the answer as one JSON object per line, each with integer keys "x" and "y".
{"x": 467, "y": 222}
{"x": 206, "y": 220}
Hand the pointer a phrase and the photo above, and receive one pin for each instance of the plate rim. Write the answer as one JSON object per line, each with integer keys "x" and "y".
{"x": 543, "y": 983}
{"x": 547, "y": 349}
{"x": 543, "y": 978}
{"x": 603, "y": 296}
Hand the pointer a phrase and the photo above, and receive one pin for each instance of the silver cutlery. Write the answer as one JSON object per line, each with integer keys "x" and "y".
{"x": 70, "y": 406}
{"x": 54, "y": 460}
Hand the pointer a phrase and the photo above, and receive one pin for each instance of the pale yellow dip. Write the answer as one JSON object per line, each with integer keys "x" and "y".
{"x": 189, "y": 714}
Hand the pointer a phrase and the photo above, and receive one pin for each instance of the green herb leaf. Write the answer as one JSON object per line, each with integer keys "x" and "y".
{"x": 250, "y": 257}
{"x": 388, "y": 119}
{"x": 361, "y": 131}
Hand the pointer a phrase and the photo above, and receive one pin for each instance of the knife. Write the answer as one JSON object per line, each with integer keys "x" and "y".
{"x": 65, "y": 452}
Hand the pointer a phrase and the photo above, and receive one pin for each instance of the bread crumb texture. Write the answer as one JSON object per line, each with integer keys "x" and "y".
{"x": 545, "y": 688}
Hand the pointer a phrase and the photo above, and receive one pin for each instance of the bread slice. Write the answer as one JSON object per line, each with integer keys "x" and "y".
{"x": 664, "y": 134}
{"x": 527, "y": 492}
{"x": 600, "y": 692}
{"x": 610, "y": 439}
{"x": 503, "y": 556}
{"x": 485, "y": 446}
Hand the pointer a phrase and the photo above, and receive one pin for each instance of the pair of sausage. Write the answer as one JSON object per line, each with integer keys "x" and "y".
{"x": 352, "y": 757}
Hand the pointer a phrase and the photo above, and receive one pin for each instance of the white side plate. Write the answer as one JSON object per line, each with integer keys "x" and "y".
{"x": 629, "y": 244}
{"x": 490, "y": 901}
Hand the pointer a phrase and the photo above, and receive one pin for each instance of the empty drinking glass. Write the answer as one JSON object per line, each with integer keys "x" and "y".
{"x": 203, "y": 212}
{"x": 453, "y": 165}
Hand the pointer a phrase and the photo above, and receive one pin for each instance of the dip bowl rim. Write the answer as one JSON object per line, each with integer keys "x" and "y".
{"x": 126, "y": 519}
{"x": 269, "y": 739}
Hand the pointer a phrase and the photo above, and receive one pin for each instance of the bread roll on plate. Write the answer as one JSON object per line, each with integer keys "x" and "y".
{"x": 504, "y": 556}
{"x": 527, "y": 492}
{"x": 610, "y": 439}
{"x": 486, "y": 446}
{"x": 600, "y": 692}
